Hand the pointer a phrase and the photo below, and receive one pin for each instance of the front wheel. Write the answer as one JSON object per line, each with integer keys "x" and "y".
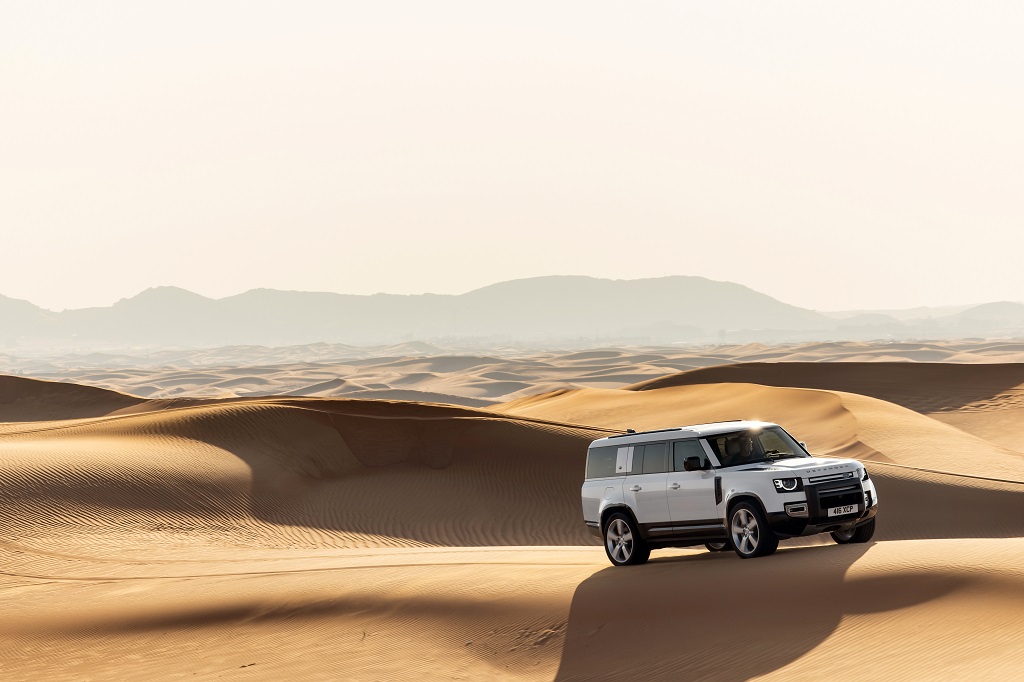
{"x": 861, "y": 533}
{"x": 749, "y": 532}
{"x": 622, "y": 542}
{"x": 717, "y": 546}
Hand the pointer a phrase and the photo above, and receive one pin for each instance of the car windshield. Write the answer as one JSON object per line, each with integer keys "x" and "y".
{"x": 754, "y": 445}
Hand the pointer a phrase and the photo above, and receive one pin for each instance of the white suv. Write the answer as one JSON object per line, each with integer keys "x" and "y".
{"x": 743, "y": 484}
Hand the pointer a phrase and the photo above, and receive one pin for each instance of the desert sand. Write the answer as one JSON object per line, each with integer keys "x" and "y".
{"x": 290, "y": 537}
{"x": 475, "y": 377}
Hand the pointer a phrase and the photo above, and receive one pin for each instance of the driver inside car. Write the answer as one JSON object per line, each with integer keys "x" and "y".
{"x": 738, "y": 450}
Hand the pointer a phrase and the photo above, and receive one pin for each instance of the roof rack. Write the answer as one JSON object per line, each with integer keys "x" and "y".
{"x": 631, "y": 432}
{"x": 641, "y": 433}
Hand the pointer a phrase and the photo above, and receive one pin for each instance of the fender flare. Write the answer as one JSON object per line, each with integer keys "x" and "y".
{"x": 614, "y": 508}
{"x": 736, "y": 498}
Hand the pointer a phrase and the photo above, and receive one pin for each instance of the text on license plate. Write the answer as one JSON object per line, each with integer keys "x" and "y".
{"x": 839, "y": 511}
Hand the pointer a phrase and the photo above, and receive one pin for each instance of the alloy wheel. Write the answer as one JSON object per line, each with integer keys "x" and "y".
{"x": 745, "y": 532}
{"x": 619, "y": 540}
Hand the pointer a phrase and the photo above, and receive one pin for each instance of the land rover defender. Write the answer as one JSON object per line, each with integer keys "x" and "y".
{"x": 739, "y": 484}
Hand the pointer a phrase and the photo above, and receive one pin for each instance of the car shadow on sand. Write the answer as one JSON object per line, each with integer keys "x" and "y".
{"x": 718, "y": 617}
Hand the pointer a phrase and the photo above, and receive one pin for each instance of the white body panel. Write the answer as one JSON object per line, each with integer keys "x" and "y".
{"x": 694, "y": 499}
{"x": 645, "y": 495}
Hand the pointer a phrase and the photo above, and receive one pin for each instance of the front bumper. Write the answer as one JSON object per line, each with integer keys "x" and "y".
{"x": 820, "y": 498}
{"x": 788, "y": 527}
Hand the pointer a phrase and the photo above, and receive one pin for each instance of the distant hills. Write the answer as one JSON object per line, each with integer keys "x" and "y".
{"x": 555, "y": 311}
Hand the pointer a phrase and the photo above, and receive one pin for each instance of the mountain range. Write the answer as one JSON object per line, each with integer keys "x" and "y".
{"x": 555, "y": 311}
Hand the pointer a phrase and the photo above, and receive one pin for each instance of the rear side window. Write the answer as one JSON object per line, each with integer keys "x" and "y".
{"x": 601, "y": 462}
{"x": 682, "y": 449}
{"x": 655, "y": 458}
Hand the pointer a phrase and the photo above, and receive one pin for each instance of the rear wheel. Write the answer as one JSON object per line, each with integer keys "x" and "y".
{"x": 749, "y": 532}
{"x": 717, "y": 546}
{"x": 622, "y": 542}
{"x": 861, "y": 533}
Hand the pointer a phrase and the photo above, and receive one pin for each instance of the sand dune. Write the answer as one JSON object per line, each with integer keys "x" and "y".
{"x": 320, "y": 538}
{"x": 832, "y": 422}
{"x": 31, "y": 400}
{"x": 986, "y": 400}
{"x": 445, "y": 613}
{"x": 814, "y": 613}
{"x": 393, "y": 615}
{"x": 923, "y": 387}
{"x": 289, "y": 473}
{"x": 498, "y": 375}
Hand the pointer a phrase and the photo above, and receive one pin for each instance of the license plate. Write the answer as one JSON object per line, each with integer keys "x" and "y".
{"x": 840, "y": 511}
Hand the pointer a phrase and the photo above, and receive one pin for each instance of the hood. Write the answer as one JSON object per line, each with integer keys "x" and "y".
{"x": 810, "y": 467}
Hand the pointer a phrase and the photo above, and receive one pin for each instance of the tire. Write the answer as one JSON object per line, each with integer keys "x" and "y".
{"x": 861, "y": 533}
{"x": 749, "y": 532}
{"x": 717, "y": 546}
{"x": 622, "y": 541}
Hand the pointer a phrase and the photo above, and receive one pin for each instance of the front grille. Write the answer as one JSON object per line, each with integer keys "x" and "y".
{"x": 821, "y": 498}
{"x": 838, "y": 490}
{"x": 829, "y": 501}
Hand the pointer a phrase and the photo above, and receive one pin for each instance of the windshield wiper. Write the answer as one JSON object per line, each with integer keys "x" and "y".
{"x": 782, "y": 455}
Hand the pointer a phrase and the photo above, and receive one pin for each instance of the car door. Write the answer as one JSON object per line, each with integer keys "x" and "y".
{"x": 644, "y": 489}
{"x": 691, "y": 495}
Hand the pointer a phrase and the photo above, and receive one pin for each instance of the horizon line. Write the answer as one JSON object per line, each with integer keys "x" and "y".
{"x": 508, "y": 281}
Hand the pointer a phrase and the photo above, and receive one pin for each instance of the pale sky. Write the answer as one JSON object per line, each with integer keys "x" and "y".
{"x": 833, "y": 155}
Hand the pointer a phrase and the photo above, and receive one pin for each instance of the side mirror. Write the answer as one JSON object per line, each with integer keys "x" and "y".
{"x": 692, "y": 464}
{"x": 803, "y": 445}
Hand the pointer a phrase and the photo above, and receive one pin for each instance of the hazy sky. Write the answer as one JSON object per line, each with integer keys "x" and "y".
{"x": 834, "y": 155}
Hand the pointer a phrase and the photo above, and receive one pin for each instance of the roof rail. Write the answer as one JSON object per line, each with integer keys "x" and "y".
{"x": 631, "y": 432}
{"x": 641, "y": 433}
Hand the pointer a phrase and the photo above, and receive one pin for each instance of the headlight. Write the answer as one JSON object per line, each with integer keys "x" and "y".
{"x": 788, "y": 485}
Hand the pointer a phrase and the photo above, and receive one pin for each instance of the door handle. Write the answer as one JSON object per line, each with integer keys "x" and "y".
{"x": 636, "y": 489}
{"x": 674, "y": 486}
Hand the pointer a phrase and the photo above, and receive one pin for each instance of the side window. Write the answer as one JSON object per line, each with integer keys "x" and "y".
{"x": 718, "y": 446}
{"x": 655, "y": 458}
{"x": 601, "y": 462}
{"x": 682, "y": 449}
{"x": 638, "y": 460}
